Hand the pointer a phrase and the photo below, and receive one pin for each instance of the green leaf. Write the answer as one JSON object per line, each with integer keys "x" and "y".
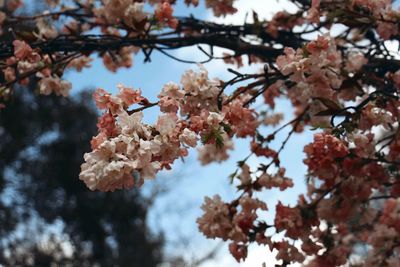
{"x": 227, "y": 127}
{"x": 219, "y": 141}
{"x": 216, "y": 135}
{"x": 232, "y": 176}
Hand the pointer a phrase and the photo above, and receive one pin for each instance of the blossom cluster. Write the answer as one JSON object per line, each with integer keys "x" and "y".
{"x": 26, "y": 60}
{"x": 226, "y": 221}
{"x": 376, "y": 13}
{"x": 315, "y": 70}
{"x": 126, "y": 147}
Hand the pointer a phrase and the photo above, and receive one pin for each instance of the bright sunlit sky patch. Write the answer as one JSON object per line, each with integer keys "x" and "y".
{"x": 176, "y": 211}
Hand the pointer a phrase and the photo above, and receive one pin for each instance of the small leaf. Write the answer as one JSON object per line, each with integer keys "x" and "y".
{"x": 232, "y": 176}
{"x": 329, "y": 103}
{"x": 227, "y": 127}
{"x": 219, "y": 141}
{"x": 206, "y": 138}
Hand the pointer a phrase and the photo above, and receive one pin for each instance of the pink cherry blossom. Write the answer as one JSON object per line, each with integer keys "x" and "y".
{"x": 21, "y": 49}
{"x": 163, "y": 14}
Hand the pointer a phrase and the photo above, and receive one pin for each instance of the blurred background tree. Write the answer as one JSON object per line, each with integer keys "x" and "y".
{"x": 47, "y": 216}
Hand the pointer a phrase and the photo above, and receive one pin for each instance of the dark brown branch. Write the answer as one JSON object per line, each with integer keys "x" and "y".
{"x": 87, "y": 44}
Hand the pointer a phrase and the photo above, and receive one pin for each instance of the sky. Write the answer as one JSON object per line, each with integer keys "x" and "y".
{"x": 175, "y": 211}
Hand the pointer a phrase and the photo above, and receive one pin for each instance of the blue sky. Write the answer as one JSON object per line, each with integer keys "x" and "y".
{"x": 176, "y": 211}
